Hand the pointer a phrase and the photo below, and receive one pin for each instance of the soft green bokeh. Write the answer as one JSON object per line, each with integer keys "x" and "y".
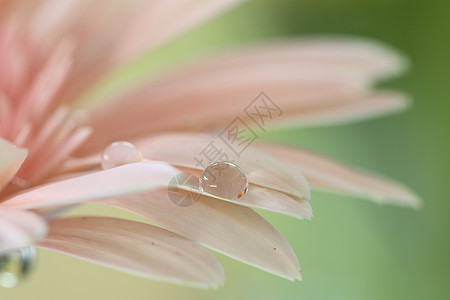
{"x": 352, "y": 249}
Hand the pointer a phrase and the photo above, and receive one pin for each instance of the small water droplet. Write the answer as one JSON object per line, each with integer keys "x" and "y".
{"x": 224, "y": 179}
{"x": 15, "y": 265}
{"x": 120, "y": 153}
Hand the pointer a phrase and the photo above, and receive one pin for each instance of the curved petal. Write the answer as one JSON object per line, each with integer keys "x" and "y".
{"x": 19, "y": 228}
{"x": 11, "y": 158}
{"x": 164, "y": 20}
{"x": 135, "y": 248}
{"x": 275, "y": 186}
{"x": 324, "y": 173}
{"x": 117, "y": 37}
{"x": 122, "y": 23}
{"x": 262, "y": 198}
{"x": 370, "y": 105}
{"x": 126, "y": 179}
{"x": 185, "y": 150}
{"x": 46, "y": 83}
{"x": 297, "y": 76}
{"x": 228, "y": 228}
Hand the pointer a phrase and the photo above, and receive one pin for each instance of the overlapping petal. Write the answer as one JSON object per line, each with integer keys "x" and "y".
{"x": 11, "y": 158}
{"x": 299, "y": 76}
{"x": 324, "y": 173}
{"x": 274, "y": 185}
{"x": 231, "y": 229}
{"x": 185, "y": 150}
{"x": 19, "y": 228}
{"x": 261, "y": 197}
{"x": 126, "y": 179}
{"x": 136, "y": 248}
{"x": 126, "y": 30}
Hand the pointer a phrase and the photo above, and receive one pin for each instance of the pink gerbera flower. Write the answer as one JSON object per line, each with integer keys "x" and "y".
{"x": 53, "y": 51}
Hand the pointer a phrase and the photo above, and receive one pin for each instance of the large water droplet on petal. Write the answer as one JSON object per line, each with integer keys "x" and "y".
{"x": 120, "y": 153}
{"x": 15, "y": 265}
{"x": 224, "y": 179}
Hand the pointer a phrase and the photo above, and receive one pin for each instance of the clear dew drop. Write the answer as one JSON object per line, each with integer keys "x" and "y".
{"x": 120, "y": 153}
{"x": 15, "y": 265}
{"x": 225, "y": 180}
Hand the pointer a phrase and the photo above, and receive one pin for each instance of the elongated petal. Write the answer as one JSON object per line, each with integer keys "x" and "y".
{"x": 185, "y": 150}
{"x": 161, "y": 21}
{"x": 364, "y": 107}
{"x": 228, "y": 228}
{"x": 125, "y": 31}
{"x": 136, "y": 248}
{"x": 297, "y": 76}
{"x": 262, "y": 198}
{"x": 274, "y": 186}
{"x": 126, "y": 179}
{"x": 19, "y": 228}
{"x": 324, "y": 173}
{"x": 11, "y": 158}
{"x": 165, "y": 20}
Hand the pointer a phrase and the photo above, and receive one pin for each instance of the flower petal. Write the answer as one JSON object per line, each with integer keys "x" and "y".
{"x": 185, "y": 150}
{"x": 117, "y": 37}
{"x": 122, "y": 23}
{"x": 11, "y": 158}
{"x": 126, "y": 179}
{"x": 263, "y": 198}
{"x": 228, "y": 228}
{"x": 297, "y": 76}
{"x": 364, "y": 107}
{"x": 19, "y": 228}
{"x": 266, "y": 190}
{"x": 324, "y": 173}
{"x": 275, "y": 186}
{"x": 136, "y": 248}
{"x": 165, "y": 20}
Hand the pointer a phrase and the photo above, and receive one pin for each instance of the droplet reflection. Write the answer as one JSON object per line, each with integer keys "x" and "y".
{"x": 15, "y": 265}
{"x": 224, "y": 179}
{"x": 120, "y": 153}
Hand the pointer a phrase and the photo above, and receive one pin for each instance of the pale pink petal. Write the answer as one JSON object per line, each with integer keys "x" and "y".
{"x": 263, "y": 198}
{"x": 324, "y": 173}
{"x": 131, "y": 27}
{"x": 62, "y": 151}
{"x": 256, "y": 197}
{"x": 126, "y": 179}
{"x": 372, "y": 105}
{"x": 274, "y": 186}
{"x": 298, "y": 76}
{"x": 136, "y": 248}
{"x": 46, "y": 83}
{"x": 11, "y": 158}
{"x": 14, "y": 59}
{"x": 125, "y": 30}
{"x": 5, "y": 114}
{"x": 164, "y": 20}
{"x": 19, "y": 228}
{"x": 184, "y": 150}
{"x": 228, "y": 228}
{"x": 59, "y": 135}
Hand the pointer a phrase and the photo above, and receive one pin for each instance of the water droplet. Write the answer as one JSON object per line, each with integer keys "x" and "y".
{"x": 15, "y": 265}
{"x": 224, "y": 179}
{"x": 120, "y": 153}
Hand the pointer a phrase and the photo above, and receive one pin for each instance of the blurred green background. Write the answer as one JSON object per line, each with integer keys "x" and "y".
{"x": 352, "y": 249}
